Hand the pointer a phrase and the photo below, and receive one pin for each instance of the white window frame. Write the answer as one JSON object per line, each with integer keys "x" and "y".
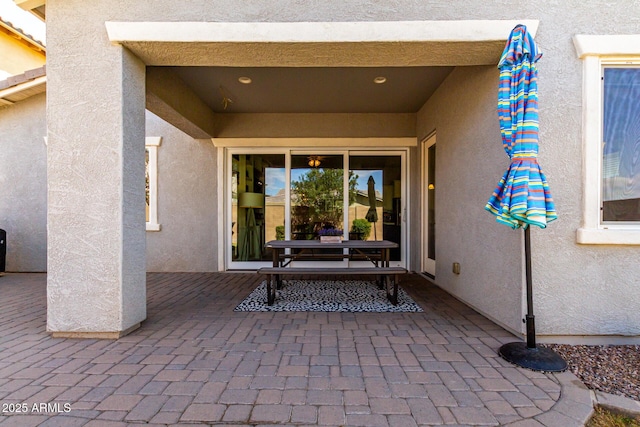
{"x": 151, "y": 144}
{"x": 355, "y": 146}
{"x": 597, "y": 52}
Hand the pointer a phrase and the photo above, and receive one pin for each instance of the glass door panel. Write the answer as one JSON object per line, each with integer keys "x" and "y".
{"x": 375, "y": 205}
{"x": 317, "y": 199}
{"x": 431, "y": 203}
{"x": 429, "y": 207}
{"x": 317, "y": 192}
{"x": 257, "y": 204}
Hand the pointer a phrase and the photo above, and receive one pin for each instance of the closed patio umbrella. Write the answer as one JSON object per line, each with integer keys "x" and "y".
{"x": 522, "y": 197}
{"x": 372, "y": 213}
{"x": 251, "y": 247}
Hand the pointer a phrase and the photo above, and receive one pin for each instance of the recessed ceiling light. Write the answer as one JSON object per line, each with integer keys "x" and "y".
{"x": 379, "y": 80}
{"x": 244, "y": 80}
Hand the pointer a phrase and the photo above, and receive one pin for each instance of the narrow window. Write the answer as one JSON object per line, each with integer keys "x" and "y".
{"x": 151, "y": 175}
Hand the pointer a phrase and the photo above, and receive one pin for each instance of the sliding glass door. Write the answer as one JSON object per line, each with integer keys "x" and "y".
{"x": 375, "y": 207}
{"x": 257, "y": 196}
{"x": 303, "y": 195}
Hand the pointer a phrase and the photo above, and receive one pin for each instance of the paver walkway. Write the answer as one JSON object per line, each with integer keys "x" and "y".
{"x": 196, "y": 361}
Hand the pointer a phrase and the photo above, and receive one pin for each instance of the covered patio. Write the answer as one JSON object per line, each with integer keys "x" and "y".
{"x": 195, "y": 360}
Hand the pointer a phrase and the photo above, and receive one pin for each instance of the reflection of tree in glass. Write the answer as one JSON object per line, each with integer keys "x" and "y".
{"x": 317, "y": 199}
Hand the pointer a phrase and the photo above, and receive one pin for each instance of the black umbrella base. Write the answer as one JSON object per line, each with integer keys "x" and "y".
{"x": 536, "y": 358}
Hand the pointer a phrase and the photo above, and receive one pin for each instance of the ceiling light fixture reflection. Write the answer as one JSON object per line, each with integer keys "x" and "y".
{"x": 379, "y": 80}
{"x": 244, "y": 80}
{"x": 314, "y": 161}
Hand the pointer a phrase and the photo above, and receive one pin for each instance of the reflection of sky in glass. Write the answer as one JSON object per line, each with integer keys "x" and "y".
{"x": 621, "y": 110}
{"x": 297, "y": 173}
{"x": 274, "y": 178}
{"x": 621, "y": 133}
{"x": 362, "y": 183}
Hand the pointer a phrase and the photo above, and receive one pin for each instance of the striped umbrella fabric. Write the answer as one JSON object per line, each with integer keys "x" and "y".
{"x": 522, "y": 196}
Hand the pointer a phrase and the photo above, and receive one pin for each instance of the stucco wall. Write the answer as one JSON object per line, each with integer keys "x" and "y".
{"x": 578, "y": 289}
{"x": 187, "y": 202}
{"x": 469, "y": 162}
{"x": 187, "y": 207}
{"x": 95, "y": 166}
{"x": 317, "y": 125}
{"x": 23, "y": 184}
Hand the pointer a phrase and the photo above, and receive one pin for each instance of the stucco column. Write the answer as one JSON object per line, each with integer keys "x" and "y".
{"x": 96, "y": 195}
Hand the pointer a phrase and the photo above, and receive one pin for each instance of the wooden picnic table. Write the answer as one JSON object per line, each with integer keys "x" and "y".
{"x": 375, "y": 251}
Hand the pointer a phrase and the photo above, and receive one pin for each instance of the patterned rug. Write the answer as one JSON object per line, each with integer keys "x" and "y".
{"x": 352, "y": 296}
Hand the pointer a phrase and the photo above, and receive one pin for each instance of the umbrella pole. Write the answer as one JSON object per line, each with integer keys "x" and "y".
{"x": 530, "y": 318}
{"x": 528, "y": 355}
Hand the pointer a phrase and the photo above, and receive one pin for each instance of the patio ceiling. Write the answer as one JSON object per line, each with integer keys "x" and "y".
{"x": 313, "y": 89}
{"x": 301, "y": 67}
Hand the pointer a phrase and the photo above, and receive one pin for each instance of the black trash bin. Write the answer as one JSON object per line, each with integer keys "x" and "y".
{"x": 3, "y": 250}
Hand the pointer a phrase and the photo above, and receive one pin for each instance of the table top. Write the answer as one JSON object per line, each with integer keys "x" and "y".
{"x": 317, "y": 244}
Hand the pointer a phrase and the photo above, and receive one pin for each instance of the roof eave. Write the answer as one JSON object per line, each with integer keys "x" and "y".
{"x": 38, "y": 45}
{"x": 23, "y": 86}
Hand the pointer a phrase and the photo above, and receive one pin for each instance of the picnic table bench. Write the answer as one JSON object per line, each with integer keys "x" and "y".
{"x": 377, "y": 252}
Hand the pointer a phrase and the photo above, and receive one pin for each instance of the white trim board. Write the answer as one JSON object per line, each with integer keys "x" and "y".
{"x": 316, "y": 32}
{"x": 391, "y": 142}
{"x": 607, "y": 45}
{"x": 316, "y": 44}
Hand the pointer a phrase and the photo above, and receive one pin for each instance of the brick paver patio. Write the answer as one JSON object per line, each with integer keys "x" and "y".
{"x": 196, "y": 361}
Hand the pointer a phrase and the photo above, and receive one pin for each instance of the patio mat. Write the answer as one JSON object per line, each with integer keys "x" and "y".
{"x": 351, "y": 296}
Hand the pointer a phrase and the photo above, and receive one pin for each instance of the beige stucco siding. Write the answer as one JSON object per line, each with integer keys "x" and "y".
{"x": 187, "y": 194}
{"x": 95, "y": 166}
{"x": 23, "y": 184}
{"x": 579, "y": 289}
{"x": 187, "y": 201}
{"x": 470, "y": 161}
